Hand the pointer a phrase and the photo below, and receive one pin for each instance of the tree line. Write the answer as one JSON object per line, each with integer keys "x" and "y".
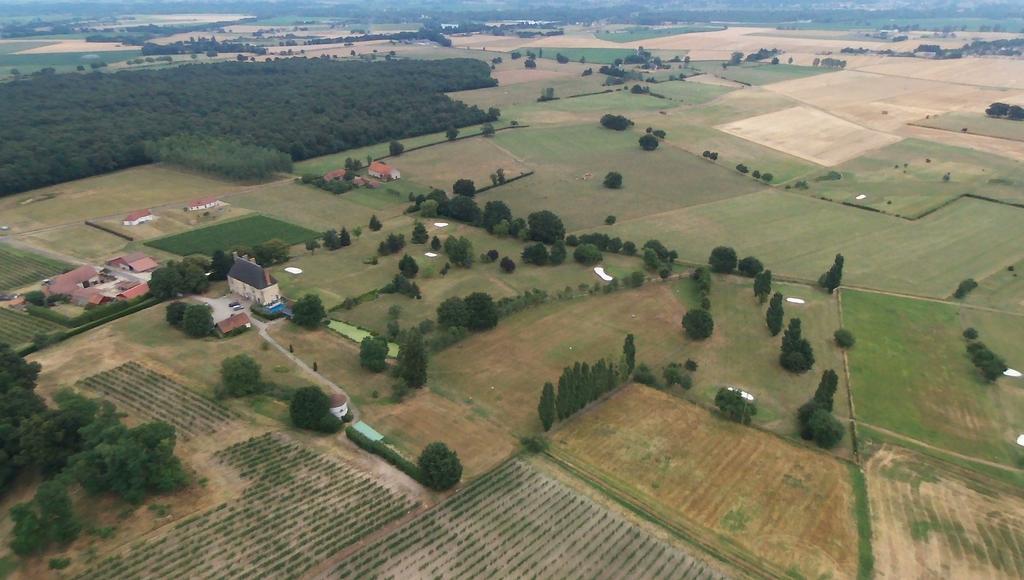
{"x": 62, "y": 127}
{"x": 223, "y": 157}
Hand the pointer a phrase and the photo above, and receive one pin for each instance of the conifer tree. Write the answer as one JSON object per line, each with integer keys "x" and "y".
{"x": 344, "y": 239}
{"x": 412, "y": 359}
{"x": 419, "y": 234}
{"x": 796, "y": 354}
{"x": 831, "y": 279}
{"x": 375, "y": 224}
{"x": 629, "y": 353}
{"x": 546, "y": 408}
{"x": 763, "y": 285}
{"x": 775, "y": 314}
{"x": 825, "y": 394}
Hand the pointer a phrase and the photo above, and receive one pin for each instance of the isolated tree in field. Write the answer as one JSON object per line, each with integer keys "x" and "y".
{"x": 546, "y": 407}
{"x": 197, "y": 321}
{"x": 494, "y": 213}
{"x": 308, "y": 311}
{"x": 615, "y": 122}
{"x": 373, "y": 353}
{"x": 395, "y": 148}
{"x": 763, "y": 286}
{"x": 375, "y": 224}
{"x": 545, "y": 226}
{"x": 722, "y": 260}
{"x": 965, "y": 288}
{"x": 613, "y": 180}
{"x": 536, "y": 254}
{"x": 844, "y": 338}
{"x": 734, "y": 407}
{"x": 412, "y": 359}
{"x": 453, "y": 313}
{"x": 487, "y": 129}
{"x": 439, "y": 466}
{"x": 648, "y": 142}
{"x": 831, "y": 279}
{"x": 464, "y": 187}
{"x": 698, "y": 323}
{"x": 419, "y": 234}
{"x": 176, "y": 313}
{"x": 508, "y": 265}
{"x": 220, "y": 265}
{"x": 796, "y": 354}
{"x": 482, "y": 312}
{"x": 344, "y": 239}
{"x": 408, "y": 267}
{"x": 750, "y": 266}
{"x": 330, "y": 238}
{"x": 310, "y": 408}
{"x": 775, "y": 315}
{"x": 629, "y": 354}
{"x": 451, "y": 133}
{"x": 239, "y": 376}
{"x": 609, "y": 220}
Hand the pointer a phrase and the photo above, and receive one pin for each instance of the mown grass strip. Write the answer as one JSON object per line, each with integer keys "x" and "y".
{"x": 862, "y": 513}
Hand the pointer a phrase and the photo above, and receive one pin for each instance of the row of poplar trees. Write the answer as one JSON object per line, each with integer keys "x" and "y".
{"x": 583, "y": 383}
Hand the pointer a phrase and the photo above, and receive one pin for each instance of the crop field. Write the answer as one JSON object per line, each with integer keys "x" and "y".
{"x": 1003, "y": 289}
{"x": 750, "y": 495}
{"x": 61, "y": 61}
{"x": 147, "y": 394}
{"x": 104, "y": 195}
{"x": 78, "y": 241}
{"x": 689, "y": 93}
{"x": 763, "y": 73}
{"x": 909, "y": 373}
{"x": 571, "y": 162}
{"x": 637, "y": 33}
{"x": 977, "y": 124}
{"x": 516, "y": 522}
{"x": 240, "y": 233}
{"x": 17, "y": 329}
{"x": 810, "y": 134}
{"x": 299, "y": 508}
{"x": 19, "y": 268}
{"x": 589, "y": 55}
{"x": 935, "y": 520}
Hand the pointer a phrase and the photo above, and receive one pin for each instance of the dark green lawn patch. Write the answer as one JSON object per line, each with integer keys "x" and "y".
{"x": 245, "y": 232}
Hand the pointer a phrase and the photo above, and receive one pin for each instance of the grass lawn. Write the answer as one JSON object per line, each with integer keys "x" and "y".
{"x": 240, "y": 233}
{"x": 976, "y": 124}
{"x": 747, "y": 494}
{"x": 1003, "y": 289}
{"x": 61, "y": 61}
{"x": 79, "y": 241}
{"x": 910, "y": 374}
{"x": 441, "y": 165}
{"x": 19, "y": 268}
{"x": 742, "y": 352}
{"x": 799, "y": 236}
{"x": 638, "y": 33}
{"x": 654, "y": 182}
{"x": 689, "y": 93}
{"x": 518, "y": 99}
{"x": 320, "y": 210}
{"x": 420, "y": 419}
{"x": 906, "y": 178}
{"x": 357, "y": 335}
{"x": 114, "y": 193}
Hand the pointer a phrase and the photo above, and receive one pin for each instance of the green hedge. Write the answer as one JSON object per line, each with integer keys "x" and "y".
{"x": 93, "y": 314}
{"x": 383, "y": 450}
{"x": 133, "y": 307}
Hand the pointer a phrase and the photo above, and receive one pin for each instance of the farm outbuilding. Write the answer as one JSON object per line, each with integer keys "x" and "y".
{"x": 204, "y": 203}
{"x": 383, "y": 171}
{"x": 339, "y": 405}
{"x": 137, "y": 217}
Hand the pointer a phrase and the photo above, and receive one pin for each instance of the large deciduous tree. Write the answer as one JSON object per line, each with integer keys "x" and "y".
{"x": 440, "y": 468}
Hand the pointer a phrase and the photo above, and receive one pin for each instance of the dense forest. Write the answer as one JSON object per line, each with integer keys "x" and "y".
{"x": 62, "y": 127}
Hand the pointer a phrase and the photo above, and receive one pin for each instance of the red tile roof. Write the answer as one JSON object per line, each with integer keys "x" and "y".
{"x": 137, "y": 214}
{"x": 66, "y": 283}
{"x": 379, "y": 167}
{"x": 136, "y": 261}
{"x": 233, "y": 322}
{"x": 336, "y": 174}
{"x": 196, "y": 203}
{"x": 140, "y": 289}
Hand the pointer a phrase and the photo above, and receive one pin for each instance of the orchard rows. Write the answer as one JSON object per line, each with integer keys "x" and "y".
{"x": 516, "y": 523}
{"x": 17, "y": 329}
{"x": 300, "y": 508}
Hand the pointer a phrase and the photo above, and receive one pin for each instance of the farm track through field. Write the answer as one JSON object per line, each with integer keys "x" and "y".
{"x": 942, "y": 450}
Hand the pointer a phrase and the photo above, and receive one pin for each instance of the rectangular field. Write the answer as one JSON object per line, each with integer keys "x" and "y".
{"x": 977, "y": 124}
{"x": 935, "y": 520}
{"x": 17, "y": 329}
{"x": 241, "y": 233}
{"x": 751, "y": 496}
{"x": 810, "y": 134}
{"x": 910, "y": 374}
{"x": 764, "y": 73}
{"x": 19, "y": 268}
{"x": 516, "y": 522}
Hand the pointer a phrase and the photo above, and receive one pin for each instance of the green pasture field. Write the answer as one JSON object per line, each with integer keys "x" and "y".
{"x": 356, "y": 334}
{"x": 325, "y": 163}
{"x": 910, "y": 373}
{"x": 1003, "y": 289}
{"x": 440, "y": 166}
{"x": 689, "y": 93}
{"x": 320, "y": 210}
{"x": 736, "y": 105}
{"x": 976, "y": 124}
{"x": 518, "y": 101}
{"x": 742, "y": 352}
{"x": 596, "y": 56}
{"x": 638, "y": 33}
{"x": 17, "y": 329}
{"x": 906, "y": 178}
{"x": 61, "y": 61}
{"x": 1004, "y": 334}
{"x": 19, "y": 268}
{"x": 654, "y": 182}
{"x": 107, "y": 195}
{"x": 246, "y": 231}
{"x": 593, "y": 106}
{"x": 799, "y": 236}
{"x": 10, "y": 47}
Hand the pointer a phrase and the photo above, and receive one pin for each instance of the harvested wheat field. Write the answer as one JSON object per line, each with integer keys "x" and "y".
{"x": 809, "y": 134}
{"x": 986, "y": 72}
{"x": 938, "y": 521}
{"x": 746, "y": 494}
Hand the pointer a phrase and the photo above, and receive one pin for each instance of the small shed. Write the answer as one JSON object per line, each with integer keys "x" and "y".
{"x": 137, "y": 217}
{"x": 367, "y": 431}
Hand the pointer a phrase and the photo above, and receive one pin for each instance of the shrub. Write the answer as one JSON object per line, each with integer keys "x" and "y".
{"x": 508, "y": 265}
{"x": 310, "y": 409}
{"x": 643, "y": 374}
{"x": 587, "y": 254}
{"x": 534, "y": 443}
{"x": 648, "y": 142}
{"x": 844, "y": 338}
{"x": 439, "y": 466}
{"x": 613, "y": 180}
{"x": 722, "y": 260}
{"x": 971, "y": 333}
{"x": 698, "y": 323}
{"x": 615, "y": 122}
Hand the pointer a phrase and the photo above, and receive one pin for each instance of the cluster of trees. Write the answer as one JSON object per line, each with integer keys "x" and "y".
{"x": 698, "y": 322}
{"x": 240, "y": 375}
{"x": 829, "y": 62}
{"x": 391, "y": 245}
{"x": 80, "y": 441}
{"x": 459, "y": 251}
{"x": 63, "y": 127}
{"x": 401, "y": 284}
{"x": 310, "y": 408}
{"x": 711, "y": 155}
{"x": 185, "y": 277}
{"x": 335, "y": 186}
{"x": 989, "y": 364}
{"x": 796, "y": 354}
{"x": 757, "y": 174}
{"x": 539, "y": 255}
{"x": 964, "y": 288}
{"x": 425, "y": 33}
{"x": 578, "y": 386}
{"x": 616, "y": 122}
{"x": 1012, "y": 112}
{"x": 833, "y": 277}
{"x": 656, "y": 256}
{"x": 194, "y": 319}
{"x": 763, "y": 54}
{"x": 373, "y": 353}
{"x": 334, "y": 240}
{"x": 815, "y": 416}
{"x": 201, "y": 45}
{"x": 412, "y": 359}
{"x": 475, "y": 312}
{"x": 308, "y": 311}
{"x": 734, "y": 406}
